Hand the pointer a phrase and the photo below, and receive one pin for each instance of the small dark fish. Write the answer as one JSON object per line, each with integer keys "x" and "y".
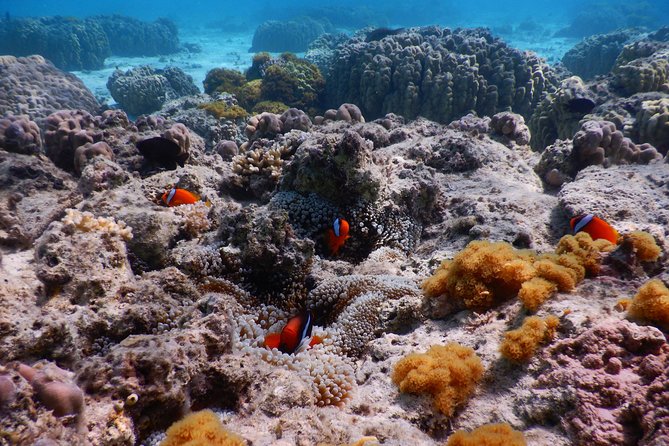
{"x": 580, "y": 105}
{"x": 162, "y": 152}
{"x": 380, "y": 33}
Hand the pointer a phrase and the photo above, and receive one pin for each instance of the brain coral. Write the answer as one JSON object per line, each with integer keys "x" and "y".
{"x": 447, "y": 372}
{"x": 437, "y": 73}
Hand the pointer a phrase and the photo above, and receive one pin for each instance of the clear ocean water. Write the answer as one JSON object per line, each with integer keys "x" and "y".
{"x": 224, "y": 29}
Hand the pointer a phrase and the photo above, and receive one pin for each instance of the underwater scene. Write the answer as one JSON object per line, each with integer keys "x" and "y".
{"x": 424, "y": 223}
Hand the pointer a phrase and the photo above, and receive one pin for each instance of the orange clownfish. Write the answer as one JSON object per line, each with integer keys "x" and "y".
{"x": 176, "y": 197}
{"x": 595, "y": 226}
{"x": 295, "y": 335}
{"x": 337, "y": 235}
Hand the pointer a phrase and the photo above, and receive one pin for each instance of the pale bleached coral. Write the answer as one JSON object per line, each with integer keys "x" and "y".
{"x": 87, "y": 222}
{"x": 329, "y": 374}
{"x": 195, "y": 217}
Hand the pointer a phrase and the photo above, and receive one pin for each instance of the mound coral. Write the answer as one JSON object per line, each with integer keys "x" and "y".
{"x": 488, "y": 435}
{"x": 224, "y": 111}
{"x": 651, "y": 303}
{"x": 447, "y": 372}
{"x": 295, "y": 82}
{"x": 20, "y": 135}
{"x": 54, "y": 388}
{"x": 521, "y": 344}
{"x": 219, "y": 80}
{"x": 200, "y": 429}
{"x": 486, "y": 273}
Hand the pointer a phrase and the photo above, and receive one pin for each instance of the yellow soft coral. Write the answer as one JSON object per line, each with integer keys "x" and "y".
{"x": 485, "y": 273}
{"x": 522, "y": 343}
{"x": 651, "y": 303}
{"x": 644, "y": 245}
{"x": 535, "y": 292}
{"x": 447, "y": 372}
{"x": 488, "y": 435}
{"x": 201, "y": 428}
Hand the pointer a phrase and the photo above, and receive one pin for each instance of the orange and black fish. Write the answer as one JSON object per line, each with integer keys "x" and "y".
{"x": 595, "y": 226}
{"x": 295, "y": 335}
{"x": 337, "y": 235}
{"x": 176, "y": 197}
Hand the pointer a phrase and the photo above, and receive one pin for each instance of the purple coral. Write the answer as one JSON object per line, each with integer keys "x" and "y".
{"x": 19, "y": 134}
{"x": 617, "y": 372}
{"x": 54, "y": 389}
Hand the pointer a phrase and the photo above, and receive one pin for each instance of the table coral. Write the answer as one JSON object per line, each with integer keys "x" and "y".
{"x": 447, "y": 372}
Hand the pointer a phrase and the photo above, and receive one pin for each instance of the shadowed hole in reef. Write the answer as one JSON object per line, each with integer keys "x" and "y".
{"x": 632, "y": 428}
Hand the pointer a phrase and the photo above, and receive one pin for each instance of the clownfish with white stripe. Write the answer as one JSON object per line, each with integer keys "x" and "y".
{"x": 337, "y": 235}
{"x": 177, "y": 197}
{"x": 295, "y": 336}
{"x": 595, "y": 226}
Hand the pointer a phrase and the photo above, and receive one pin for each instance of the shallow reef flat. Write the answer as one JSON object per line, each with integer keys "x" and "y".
{"x": 345, "y": 275}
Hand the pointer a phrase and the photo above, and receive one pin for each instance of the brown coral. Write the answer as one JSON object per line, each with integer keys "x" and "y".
{"x": 447, "y": 372}
{"x": 521, "y": 344}
{"x": 488, "y": 435}
{"x": 19, "y": 134}
{"x": 83, "y": 154}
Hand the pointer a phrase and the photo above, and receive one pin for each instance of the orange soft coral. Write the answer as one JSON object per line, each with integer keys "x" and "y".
{"x": 447, "y": 372}
{"x": 535, "y": 292}
{"x": 485, "y": 273}
{"x": 488, "y": 435}
{"x": 644, "y": 246}
{"x": 201, "y": 428}
{"x": 521, "y": 344}
{"x": 651, "y": 303}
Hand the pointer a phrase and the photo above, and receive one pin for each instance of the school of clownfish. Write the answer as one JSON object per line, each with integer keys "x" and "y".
{"x": 295, "y": 336}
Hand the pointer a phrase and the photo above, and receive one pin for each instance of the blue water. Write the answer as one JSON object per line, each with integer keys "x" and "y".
{"x": 224, "y": 29}
{"x": 403, "y": 13}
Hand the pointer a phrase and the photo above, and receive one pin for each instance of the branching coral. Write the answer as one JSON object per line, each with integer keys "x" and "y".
{"x": 488, "y": 435}
{"x": 87, "y": 222}
{"x": 199, "y": 429}
{"x": 447, "y": 372}
{"x": 651, "y": 303}
{"x": 521, "y": 344}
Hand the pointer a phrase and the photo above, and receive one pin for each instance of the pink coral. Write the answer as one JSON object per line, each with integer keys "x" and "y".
{"x": 54, "y": 389}
{"x": 612, "y": 373}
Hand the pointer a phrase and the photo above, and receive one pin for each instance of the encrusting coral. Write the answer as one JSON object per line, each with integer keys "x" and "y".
{"x": 651, "y": 303}
{"x": 521, "y": 344}
{"x": 488, "y": 435}
{"x": 447, "y": 372}
{"x": 202, "y": 428}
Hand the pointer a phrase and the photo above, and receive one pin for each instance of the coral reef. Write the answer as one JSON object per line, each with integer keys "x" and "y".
{"x": 488, "y": 435}
{"x": 53, "y": 388}
{"x": 521, "y": 344}
{"x": 221, "y": 110}
{"x": 145, "y": 89}
{"x": 33, "y": 86}
{"x": 447, "y": 372}
{"x": 294, "y": 35}
{"x": 596, "y": 55}
{"x": 83, "y": 44}
{"x": 438, "y": 74}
